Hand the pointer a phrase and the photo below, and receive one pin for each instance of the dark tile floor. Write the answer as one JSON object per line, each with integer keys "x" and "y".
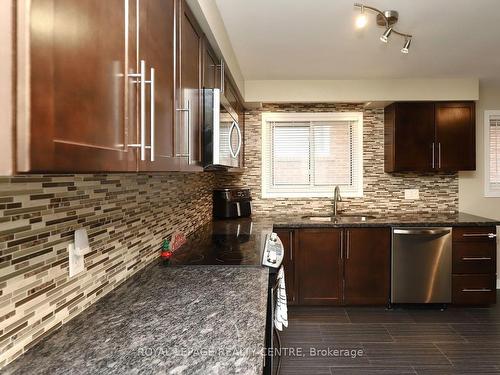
{"x": 399, "y": 341}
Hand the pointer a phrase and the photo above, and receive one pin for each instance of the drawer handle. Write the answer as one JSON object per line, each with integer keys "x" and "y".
{"x": 477, "y": 290}
{"x": 476, "y": 258}
{"x": 489, "y": 235}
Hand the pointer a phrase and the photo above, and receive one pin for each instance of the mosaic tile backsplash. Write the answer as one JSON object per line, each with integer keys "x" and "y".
{"x": 127, "y": 217}
{"x": 382, "y": 192}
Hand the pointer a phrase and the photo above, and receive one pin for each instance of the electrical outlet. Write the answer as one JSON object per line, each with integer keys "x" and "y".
{"x": 76, "y": 262}
{"x": 411, "y": 194}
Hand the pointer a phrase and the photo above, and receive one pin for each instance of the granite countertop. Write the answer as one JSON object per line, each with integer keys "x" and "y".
{"x": 382, "y": 219}
{"x": 210, "y": 243}
{"x": 172, "y": 320}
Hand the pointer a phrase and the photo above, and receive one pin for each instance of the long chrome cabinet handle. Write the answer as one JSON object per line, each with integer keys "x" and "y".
{"x": 290, "y": 238}
{"x": 152, "y": 113}
{"x": 476, "y": 258}
{"x": 477, "y": 290}
{"x": 489, "y": 235}
{"x": 439, "y": 155}
{"x": 433, "y": 155}
{"x": 142, "y": 82}
{"x": 342, "y": 245}
{"x": 188, "y": 111}
{"x": 222, "y": 76}
{"x": 348, "y": 244}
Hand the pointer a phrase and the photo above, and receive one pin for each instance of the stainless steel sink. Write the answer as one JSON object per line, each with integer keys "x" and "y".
{"x": 343, "y": 218}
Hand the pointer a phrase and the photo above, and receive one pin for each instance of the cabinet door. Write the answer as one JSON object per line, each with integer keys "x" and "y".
{"x": 412, "y": 137}
{"x": 76, "y": 83}
{"x": 230, "y": 93}
{"x": 367, "y": 266}
{"x": 319, "y": 267}
{"x": 156, "y": 48}
{"x": 287, "y": 237}
{"x": 456, "y": 136}
{"x": 210, "y": 67}
{"x": 189, "y": 90}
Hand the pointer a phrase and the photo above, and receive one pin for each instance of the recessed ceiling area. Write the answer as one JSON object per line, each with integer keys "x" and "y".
{"x": 317, "y": 39}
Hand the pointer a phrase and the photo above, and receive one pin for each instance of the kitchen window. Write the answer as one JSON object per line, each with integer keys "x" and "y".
{"x": 492, "y": 153}
{"x": 308, "y": 154}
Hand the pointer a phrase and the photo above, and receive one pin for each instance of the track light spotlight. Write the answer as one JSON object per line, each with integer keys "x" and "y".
{"x": 386, "y": 34}
{"x": 406, "y": 47}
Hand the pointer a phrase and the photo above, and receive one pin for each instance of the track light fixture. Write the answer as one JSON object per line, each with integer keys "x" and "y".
{"x": 386, "y": 19}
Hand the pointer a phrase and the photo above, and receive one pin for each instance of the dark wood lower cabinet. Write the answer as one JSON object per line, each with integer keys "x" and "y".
{"x": 337, "y": 266}
{"x": 319, "y": 267}
{"x": 288, "y": 238}
{"x": 367, "y": 266}
{"x": 474, "y": 266}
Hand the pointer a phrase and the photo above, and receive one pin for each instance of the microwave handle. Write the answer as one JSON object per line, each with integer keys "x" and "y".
{"x": 234, "y": 125}
{"x": 240, "y": 139}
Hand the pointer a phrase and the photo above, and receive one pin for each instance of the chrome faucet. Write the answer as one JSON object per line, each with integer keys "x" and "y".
{"x": 336, "y": 199}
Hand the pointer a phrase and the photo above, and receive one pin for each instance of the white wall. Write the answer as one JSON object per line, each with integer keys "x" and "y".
{"x": 471, "y": 184}
{"x": 339, "y": 91}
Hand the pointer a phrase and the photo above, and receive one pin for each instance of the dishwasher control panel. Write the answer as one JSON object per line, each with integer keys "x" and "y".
{"x": 273, "y": 253}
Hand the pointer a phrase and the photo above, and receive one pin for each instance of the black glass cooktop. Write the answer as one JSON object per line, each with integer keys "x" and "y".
{"x": 223, "y": 242}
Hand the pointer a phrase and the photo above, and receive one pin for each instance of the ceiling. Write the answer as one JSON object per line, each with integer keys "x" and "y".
{"x": 317, "y": 39}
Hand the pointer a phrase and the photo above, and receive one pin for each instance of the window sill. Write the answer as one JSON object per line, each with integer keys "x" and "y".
{"x": 307, "y": 195}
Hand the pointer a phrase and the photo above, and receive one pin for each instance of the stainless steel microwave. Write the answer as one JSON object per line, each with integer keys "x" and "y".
{"x": 222, "y": 138}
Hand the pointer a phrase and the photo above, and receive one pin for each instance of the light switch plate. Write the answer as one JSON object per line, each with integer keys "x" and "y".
{"x": 76, "y": 262}
{"x": 411, "y": 194}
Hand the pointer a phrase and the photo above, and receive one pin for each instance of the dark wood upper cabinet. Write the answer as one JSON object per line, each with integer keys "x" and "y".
{"x": 110, "y": 86}
{"x": 367, "y": 266}
{"x": 211, "y": 67}
{"x": 409, "y": 136}
{"x": 189, "y": 90}
{"x": 75, "y": 119}
{"x": 429, "y": 136}
{"x": 156, "y": 49}
{"x": 319, "y": 267}
{"x": 455, "y": 136}
{"x": 230, "y": 94}
{"x": 288, "y": 238}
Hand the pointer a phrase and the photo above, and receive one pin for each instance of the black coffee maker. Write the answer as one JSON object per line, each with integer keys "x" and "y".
{"x": 232, "y": 202}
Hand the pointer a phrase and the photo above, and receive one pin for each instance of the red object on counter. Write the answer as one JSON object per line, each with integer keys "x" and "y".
{"x": 166, "y": 254}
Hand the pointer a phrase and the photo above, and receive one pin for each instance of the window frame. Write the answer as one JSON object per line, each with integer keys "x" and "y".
{"x": 488, "y": 191}
{"x": 309, "y": 117}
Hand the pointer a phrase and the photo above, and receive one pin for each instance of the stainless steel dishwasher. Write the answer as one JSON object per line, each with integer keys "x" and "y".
{"x": 421, "y": 265}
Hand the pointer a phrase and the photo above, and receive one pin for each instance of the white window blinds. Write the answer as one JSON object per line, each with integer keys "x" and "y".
{"x": 308, "y": 154}
{"x": 492, "y": 153}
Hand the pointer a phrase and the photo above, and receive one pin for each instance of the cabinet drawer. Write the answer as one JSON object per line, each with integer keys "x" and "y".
{"x": 474, "y": 289}
{"x": 474, "y": 234}
{"x": 474, "y": 257}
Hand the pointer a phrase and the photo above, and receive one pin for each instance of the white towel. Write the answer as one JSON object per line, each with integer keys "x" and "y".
{"x": 281, "y": 309}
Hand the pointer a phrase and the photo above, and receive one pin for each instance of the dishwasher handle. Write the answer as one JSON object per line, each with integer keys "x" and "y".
{"x": 430, "y": 232}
